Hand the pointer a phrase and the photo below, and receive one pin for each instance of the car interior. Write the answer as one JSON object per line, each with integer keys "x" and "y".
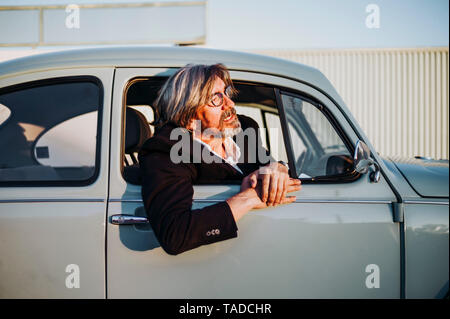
{"x": 256, "y": 101}
{"x": 319, "y": 157}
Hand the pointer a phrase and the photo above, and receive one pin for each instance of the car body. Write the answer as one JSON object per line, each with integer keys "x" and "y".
{"x": 66, "y": 185}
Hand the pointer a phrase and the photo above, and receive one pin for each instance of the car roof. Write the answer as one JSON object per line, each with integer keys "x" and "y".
{"x": 154, "y": 56}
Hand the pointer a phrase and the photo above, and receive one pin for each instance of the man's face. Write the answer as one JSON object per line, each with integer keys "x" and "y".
{"x": 223, "y": 117}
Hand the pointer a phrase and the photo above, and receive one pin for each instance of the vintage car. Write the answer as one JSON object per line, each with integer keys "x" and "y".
{"x": 72, "y": 222}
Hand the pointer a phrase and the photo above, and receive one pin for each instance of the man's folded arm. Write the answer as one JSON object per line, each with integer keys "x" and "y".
{"x": 168, "y": 194}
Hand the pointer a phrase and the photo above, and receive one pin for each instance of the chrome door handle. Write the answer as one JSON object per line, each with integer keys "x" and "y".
{"x": 128, "y": 220}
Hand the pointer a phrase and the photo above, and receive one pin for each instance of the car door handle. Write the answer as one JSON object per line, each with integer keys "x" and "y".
{"x": 128, "y": 220}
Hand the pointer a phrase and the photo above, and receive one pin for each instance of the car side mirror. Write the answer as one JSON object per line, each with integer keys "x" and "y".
{"x": 363, "y": 161}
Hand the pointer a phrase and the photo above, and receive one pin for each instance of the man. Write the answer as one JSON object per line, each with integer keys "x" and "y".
{"x": 196, "y": 102}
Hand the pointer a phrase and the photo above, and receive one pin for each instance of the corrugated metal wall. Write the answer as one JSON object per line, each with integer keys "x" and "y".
{"x": 398, "y": 96}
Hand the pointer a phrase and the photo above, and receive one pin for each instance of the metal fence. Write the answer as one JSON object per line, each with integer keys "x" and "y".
{"x": 398, "y": 96}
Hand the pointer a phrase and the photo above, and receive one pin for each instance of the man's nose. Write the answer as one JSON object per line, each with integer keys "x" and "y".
{"x": 227, "y": 102}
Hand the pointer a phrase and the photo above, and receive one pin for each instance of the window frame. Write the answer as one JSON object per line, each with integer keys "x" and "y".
{"x": 278, "y": 90}
{"x": 54, "y": 81}
{"x": 126, "y": 88}
{"x": 333, "y": 179}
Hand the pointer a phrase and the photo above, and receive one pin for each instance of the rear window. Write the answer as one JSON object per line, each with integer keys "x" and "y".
{"x": 50, "y": 132}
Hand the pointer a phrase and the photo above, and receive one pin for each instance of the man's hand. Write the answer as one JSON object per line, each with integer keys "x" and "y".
{"x": 249, "y": 198}
{"x": 293, "y": 185}
{"x": 274, "y": 179}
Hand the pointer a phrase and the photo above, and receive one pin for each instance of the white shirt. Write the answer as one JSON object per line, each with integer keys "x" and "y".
{"x": 232, "y": 152}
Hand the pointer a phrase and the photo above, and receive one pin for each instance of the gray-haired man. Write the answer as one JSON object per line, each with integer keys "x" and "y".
{"x": 196, "y": 101}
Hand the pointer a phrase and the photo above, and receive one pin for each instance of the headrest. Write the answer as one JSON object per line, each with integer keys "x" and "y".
{"x": 137, "y": 130}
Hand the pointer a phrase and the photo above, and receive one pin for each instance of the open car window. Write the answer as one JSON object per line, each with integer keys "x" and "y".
{"x": 253, "y": 100}
{"x": 258, "y": 102}
{"x": 318, "y": 151}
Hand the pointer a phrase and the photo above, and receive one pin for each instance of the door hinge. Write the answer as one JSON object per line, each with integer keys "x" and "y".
{"x": 398, "y": 212}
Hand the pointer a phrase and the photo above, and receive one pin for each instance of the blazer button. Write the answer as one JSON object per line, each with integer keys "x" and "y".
{"x": 217, "y": 232}
{"x": 208, "y": 233}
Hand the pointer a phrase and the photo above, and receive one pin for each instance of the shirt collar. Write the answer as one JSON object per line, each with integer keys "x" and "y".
{"x": 232, "y": 150}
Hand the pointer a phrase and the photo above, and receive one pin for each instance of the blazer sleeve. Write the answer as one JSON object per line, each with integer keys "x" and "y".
{"x": 167, "y": 191}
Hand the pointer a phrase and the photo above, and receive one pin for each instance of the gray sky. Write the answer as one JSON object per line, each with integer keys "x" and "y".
{"x": 270, "y": 24}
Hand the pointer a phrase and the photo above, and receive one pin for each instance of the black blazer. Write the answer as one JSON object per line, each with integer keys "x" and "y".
{"x": 167, "y": 192}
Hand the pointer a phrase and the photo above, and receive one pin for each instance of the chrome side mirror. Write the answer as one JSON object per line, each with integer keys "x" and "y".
{"x": 363, "y": 161}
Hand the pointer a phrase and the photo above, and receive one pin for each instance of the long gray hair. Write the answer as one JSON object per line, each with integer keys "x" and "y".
{"x": 190, "y": 87}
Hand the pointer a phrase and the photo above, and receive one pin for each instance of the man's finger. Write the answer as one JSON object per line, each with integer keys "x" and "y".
{"x": 272, "y": 189}
{"x": 288, "y": 199}
{"x": 253, "y": 180}
{"x": 293, "y": 188}
{"x": 294, "y": 181}
{"x": 280, "y": 190}
{"x": 265, "y": 187}
{"x": 285, "y": 187}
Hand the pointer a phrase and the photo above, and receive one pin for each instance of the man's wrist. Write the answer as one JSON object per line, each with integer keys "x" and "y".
{"x": 243, "y": 202}
{"x": 250, "y": 194}
{"x": 284, "y": 164}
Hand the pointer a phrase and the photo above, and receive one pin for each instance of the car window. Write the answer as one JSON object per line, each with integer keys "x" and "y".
{"x": 274, "y": 131}
{"x": 252, "y": 100}
{"x": 317, "y": 148}
{"x": 148, "y": 113}
{"x": 270, "y": 128}
{"x": 258, "y": 102}
{"x": 52, "y": 131}
{"x": 255, "y": 114}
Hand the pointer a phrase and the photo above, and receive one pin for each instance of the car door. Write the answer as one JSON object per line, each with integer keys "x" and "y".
{"x": 338, "y": 240}
{"x": 53, "y": 183}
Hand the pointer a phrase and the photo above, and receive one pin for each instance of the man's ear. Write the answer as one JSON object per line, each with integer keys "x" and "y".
{"x": 195, "y": 126}
{"x": 192, "y": 125}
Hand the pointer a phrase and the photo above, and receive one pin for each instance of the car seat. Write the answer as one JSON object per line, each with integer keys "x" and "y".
{"x": 137, "y": 131}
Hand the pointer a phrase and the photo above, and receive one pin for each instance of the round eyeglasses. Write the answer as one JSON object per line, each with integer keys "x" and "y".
{"x": 217, "y": 99}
